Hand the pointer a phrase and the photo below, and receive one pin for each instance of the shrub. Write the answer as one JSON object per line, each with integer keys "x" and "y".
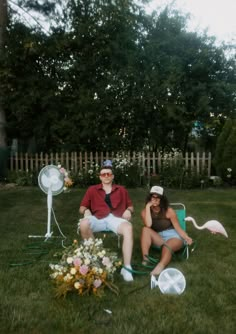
{"x": 174, "y": 174}
{"x": 84, "y": 178}
{"x": 127, "y": 172}
{"x": 22, "y": 178}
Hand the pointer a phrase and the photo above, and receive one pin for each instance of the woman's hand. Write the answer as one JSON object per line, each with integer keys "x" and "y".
{"x": 148, "y": 205}
{"x": 188, "y": 240}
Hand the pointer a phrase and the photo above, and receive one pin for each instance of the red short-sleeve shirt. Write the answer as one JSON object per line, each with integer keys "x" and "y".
{"x": 94, "y": 199}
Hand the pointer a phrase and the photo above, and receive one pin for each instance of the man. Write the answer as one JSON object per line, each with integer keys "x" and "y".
{"x": 107, "y": 206}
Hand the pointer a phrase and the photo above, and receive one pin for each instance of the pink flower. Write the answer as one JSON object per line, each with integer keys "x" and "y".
{"x": 62, "y": 170}
{"x": 83, "y": 269}
{"x": 106, "y": 261}
{"x": 97, "y": 283}
{"x": 77, "y": 262}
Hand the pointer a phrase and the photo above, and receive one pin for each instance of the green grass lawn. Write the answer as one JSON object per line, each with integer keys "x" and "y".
{"x": 28, "y": 303}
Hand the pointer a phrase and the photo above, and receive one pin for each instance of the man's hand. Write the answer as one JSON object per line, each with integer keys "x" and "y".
{"x": 87, "y": 213}
{"x": 127, "y": 215}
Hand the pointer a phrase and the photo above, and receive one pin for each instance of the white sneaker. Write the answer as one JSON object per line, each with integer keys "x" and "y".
{"x": 127, "y": 276}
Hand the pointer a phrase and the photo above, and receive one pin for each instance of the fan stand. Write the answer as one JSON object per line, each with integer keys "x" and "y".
{"x": 49, "y": 204}
{"x": 51, "y": 182}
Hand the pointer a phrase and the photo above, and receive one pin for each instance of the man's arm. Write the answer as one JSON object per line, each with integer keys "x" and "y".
{"x": 130, "y": 209}
{"x": 128, "y": 213}
{"x": 84, "y": 211}
{"x": 84, "y": 208}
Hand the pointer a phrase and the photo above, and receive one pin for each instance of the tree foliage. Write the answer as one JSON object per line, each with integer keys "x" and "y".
{"x": 108, "y": 76}
{"x": 3, "y": 143}
{"x": 225, "y": 155}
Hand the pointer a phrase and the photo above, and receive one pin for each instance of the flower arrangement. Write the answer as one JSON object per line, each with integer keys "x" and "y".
{"x": 85, "y": 268}
{"x": 67, "y": 180}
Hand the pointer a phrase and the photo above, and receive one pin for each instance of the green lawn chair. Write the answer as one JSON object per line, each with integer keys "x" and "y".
{"x": 181, "y": 214}
{"x": 111, "y": 233}
{"x": 105, "y": 233}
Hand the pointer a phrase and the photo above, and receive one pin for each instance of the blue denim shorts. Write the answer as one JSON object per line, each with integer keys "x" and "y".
{"x": 109, "y": 223}
{"x": 170, "y": 234}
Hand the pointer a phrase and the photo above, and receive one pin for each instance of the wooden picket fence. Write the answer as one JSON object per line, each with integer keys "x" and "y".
{"x": 150, "y": 162}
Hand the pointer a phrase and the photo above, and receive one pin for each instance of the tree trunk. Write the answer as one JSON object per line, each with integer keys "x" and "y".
{"x": 3, "y": 144}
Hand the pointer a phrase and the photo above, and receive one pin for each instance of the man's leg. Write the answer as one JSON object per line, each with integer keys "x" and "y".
{"x": 126, "y": 230}
{"x": 85, "y": 229}
{"x": 90, "y": 225}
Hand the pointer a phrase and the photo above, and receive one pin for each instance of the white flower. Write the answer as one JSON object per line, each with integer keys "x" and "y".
{"x": 77, "y": 285}
{"x": 78, "y": 253}
{"x": 98, "y": 242}
{"x": 229, "y": 170}
{"x": 69, "y": 260}
{"x": 58, "y": 267}
{"x": 86, "y": 261}
{"x": 67, "y": 278}
{"x": 73, "y": 271}
{"x": 54, "y": 275}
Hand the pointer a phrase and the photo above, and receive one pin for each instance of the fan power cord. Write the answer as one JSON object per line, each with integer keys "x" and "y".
{"x": 59, "y": 229}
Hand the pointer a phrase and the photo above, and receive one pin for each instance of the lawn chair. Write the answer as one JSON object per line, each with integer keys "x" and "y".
{"x": 105, "y": 233}
{"x": 111, "y": 233}
{"x": 181, "y": 215}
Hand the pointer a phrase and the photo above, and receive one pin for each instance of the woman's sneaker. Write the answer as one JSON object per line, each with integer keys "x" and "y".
{"x": 127, "y": 276}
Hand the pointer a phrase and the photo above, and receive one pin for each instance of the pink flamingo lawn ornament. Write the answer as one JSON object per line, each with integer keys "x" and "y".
{"x": 212, "y": 225}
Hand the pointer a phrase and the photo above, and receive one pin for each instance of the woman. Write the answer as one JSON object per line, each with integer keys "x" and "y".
{"x": 161, "y": 228}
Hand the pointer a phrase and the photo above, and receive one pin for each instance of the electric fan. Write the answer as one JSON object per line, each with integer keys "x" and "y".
{"x": 170, "y": 281}
{"x": 51, "y": 182}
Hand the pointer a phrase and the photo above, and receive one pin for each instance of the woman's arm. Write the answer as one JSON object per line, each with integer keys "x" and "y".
{"x": 146, "y": 215}
{"x": 171, "y": 214}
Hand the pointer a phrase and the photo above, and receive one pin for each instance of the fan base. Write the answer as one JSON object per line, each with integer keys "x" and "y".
{"x": 44, "y": 236}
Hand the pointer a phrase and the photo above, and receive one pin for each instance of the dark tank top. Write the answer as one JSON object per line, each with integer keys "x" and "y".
{"x": 160, "y": 222}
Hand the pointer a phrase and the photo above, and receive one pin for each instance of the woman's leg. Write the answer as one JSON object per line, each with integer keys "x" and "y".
{"x": 149, "y": 237}
{"x": 173, "y": 244}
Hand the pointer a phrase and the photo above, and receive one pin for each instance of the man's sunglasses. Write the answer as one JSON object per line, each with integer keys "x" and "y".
{"x": 105, "y": 174}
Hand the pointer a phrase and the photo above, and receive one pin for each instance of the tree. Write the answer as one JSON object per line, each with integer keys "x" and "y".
{"x": 225, "y": 154}
{"x": 229, "y": 156}
{"x": 3, "y": 144}
{"x": 189, "y": 80}
{"x": 90, "y": 66}
{"x": 107, "y": 76}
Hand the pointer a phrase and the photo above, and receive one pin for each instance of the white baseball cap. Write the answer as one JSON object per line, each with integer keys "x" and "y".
{"x": 157, "y": 190}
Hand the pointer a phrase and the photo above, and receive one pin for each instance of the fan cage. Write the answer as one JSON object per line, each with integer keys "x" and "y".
{"x": 51, "y": 176}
